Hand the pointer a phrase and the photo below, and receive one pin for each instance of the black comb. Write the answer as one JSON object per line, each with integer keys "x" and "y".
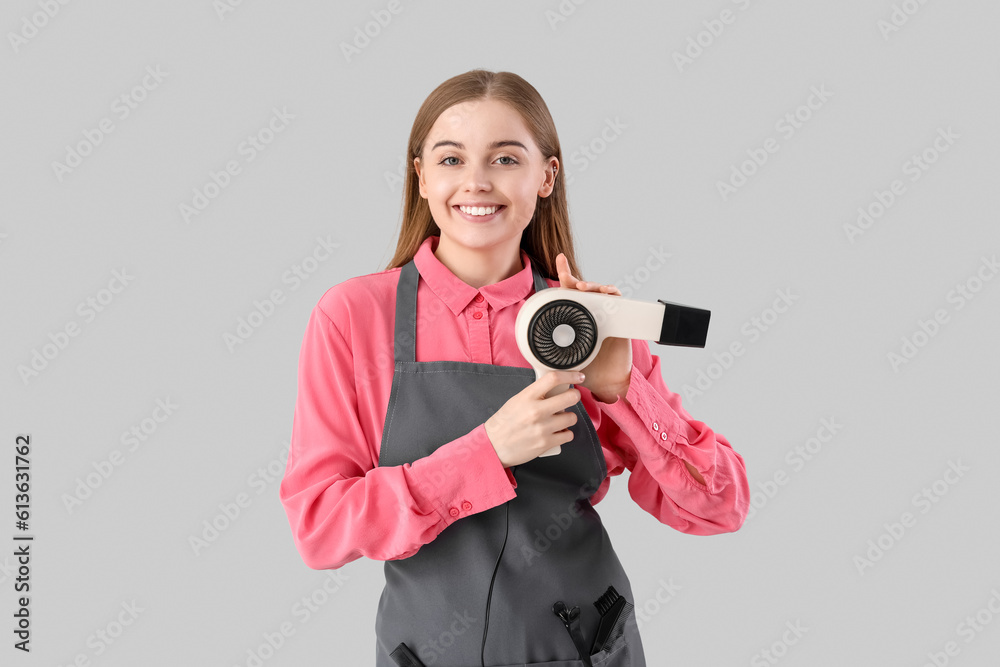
{"x": 404, "y": 657}
{"x": 614, "y": 610}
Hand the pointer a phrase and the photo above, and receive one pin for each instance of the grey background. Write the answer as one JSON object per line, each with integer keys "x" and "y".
{"x": 329, "y": 174}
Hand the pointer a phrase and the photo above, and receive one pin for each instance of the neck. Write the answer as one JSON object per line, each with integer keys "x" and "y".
{"x": 478, "y": 267}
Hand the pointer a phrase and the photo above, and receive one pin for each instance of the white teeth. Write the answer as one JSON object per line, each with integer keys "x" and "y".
{"x": 478, "y": 210}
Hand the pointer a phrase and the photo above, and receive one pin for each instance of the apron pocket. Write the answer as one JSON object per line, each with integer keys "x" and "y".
{"x": 558, "y": 663}
{"x": 616, "y": 656}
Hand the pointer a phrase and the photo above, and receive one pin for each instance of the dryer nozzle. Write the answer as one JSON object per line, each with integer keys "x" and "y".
{"x": 684, "y": 326}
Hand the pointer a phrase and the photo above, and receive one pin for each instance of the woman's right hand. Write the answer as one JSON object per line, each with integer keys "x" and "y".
{"x": 529, "y": 424}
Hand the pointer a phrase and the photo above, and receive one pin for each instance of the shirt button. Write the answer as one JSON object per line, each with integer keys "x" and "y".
{"x": 466, "y": 505}
{"x": 656, "y": 427}
{"x": 478, "y": 315}
{"x": 663, "y": 435}
{"x": 453, "y": 511}
{"x": 479, "y": 298}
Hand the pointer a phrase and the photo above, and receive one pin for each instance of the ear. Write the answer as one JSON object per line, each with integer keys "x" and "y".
{"x": 420, "y": 178}
{"x": 549, "y": 184}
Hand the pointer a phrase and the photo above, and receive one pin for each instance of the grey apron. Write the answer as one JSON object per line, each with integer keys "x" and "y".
{"x": 482, "y": 592}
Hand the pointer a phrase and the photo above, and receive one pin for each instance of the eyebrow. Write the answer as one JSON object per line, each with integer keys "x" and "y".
{"x": 495, "y": 144}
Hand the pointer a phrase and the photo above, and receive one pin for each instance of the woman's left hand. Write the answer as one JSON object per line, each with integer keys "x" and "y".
{"x": 608, "y": 375}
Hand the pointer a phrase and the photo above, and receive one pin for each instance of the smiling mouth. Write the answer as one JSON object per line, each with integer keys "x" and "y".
{"x": 480, "y": 210}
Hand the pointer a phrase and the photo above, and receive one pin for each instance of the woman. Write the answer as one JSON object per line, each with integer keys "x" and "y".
{"x": 418, "y": 423}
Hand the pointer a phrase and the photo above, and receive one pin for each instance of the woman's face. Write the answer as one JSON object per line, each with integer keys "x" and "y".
{"x": 480, "y": 154}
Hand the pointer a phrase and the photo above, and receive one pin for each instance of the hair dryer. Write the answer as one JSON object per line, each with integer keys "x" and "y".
{"x": 559, "y": 328}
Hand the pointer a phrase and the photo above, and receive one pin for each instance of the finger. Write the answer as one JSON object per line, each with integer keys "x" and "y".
{"x": 561, "y": 264}
{"x": 566, "y": 279}
{"x": 597, "y": 287}
{"x": 564, "y": 419}
{"x": 554, "y": 378}
{"x": 572, "y": 397}
{"x": 566, "y": 377}
{"x": 561, "y": 402}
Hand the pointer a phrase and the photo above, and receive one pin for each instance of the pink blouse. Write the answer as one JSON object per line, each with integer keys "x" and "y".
{"x": 341, "y": 505}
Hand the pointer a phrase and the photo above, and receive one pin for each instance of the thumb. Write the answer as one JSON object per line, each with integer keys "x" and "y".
{"x": 556, "y": 377}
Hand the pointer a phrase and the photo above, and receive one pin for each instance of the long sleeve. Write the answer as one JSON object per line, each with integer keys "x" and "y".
{"x": 653, "y": 435}
{"x": 340, "y": 504}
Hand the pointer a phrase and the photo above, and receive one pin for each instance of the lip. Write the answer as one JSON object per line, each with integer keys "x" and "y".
{"x": 479, "y": 218}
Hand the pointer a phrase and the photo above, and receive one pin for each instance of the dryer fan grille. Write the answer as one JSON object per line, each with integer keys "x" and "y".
{"x": 544, "y": 323}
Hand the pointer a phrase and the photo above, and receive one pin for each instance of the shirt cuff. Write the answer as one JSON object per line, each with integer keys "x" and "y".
{"x": 465, "y": 476}
{"x": 651, "y": 424}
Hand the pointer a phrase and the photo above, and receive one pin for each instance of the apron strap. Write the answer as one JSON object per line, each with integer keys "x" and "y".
{"x": 406, "y": 313}
{"x": 540, "y": 283}
{"x": 404, "y": 348}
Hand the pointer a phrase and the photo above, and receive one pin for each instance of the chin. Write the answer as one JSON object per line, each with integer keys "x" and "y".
{"x": 472, "y": 237}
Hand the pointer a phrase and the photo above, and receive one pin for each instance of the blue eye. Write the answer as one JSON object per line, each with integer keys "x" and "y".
{"x": 512, "y": 159}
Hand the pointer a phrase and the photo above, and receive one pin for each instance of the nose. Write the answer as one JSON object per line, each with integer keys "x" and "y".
{"x": 477, "y": 178}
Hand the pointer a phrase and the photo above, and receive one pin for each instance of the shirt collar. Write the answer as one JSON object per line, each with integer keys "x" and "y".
{"x": 457, "y": 294}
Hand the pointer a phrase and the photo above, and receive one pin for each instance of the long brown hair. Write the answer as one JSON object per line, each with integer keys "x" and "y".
{"x": 549, "y": 231}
